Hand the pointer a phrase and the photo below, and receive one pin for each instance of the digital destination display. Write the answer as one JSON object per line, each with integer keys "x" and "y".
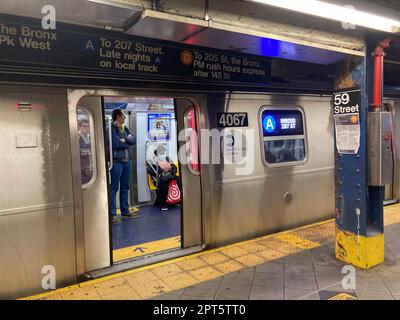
{"x": 282, "y": 123}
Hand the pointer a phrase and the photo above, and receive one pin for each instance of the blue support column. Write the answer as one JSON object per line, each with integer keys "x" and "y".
{"x": 351, "y": 179}
{"x": 359, "y": 207}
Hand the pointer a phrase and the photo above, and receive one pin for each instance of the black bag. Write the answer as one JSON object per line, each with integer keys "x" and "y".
{"x": 166, "y": 176}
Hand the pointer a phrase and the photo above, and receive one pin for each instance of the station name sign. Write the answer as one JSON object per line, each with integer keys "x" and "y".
{"x": 347, "y": 102}
{"x": 346, "y": 112}
{"x": 85, "y": 50}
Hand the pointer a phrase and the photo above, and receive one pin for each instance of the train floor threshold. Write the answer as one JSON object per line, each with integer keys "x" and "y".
{"x": 295, "y": 264}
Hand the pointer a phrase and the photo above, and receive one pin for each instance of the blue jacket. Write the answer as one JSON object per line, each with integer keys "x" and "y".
{"x": 121, "y": 151}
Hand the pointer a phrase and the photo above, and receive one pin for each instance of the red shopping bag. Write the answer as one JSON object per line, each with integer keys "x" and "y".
{"x": 174, "y": 194}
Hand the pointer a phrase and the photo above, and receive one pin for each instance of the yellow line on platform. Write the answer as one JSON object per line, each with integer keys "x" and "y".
{"x": 297, "y": 241}
{"x": 343, "y": 296}
{"x": 392, "y": 205}
{"x": 391, "y": 215}
{"x": 177, "y": 260}
{"x": 213, "y": 263}
{"x": 52, "y": 292}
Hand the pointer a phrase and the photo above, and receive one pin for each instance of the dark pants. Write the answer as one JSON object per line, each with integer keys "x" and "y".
{"x": 120, "y": 176}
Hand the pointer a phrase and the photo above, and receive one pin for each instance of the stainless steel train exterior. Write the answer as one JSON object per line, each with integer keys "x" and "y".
{"x": 47, "y": 220}
{"x": 392, "y": 191}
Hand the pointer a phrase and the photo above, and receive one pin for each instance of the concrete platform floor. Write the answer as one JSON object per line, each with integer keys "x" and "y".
{"x": 297, "y": 264}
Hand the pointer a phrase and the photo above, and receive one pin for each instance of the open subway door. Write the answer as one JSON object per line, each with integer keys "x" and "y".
{"x": 189, "y": 151}
{"x": 90, "y": 182}
{"x": 99, "y": 242}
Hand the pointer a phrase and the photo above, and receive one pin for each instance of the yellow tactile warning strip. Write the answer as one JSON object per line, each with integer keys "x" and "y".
{"x": 392, "y": 214}
{"x": 343, "y": 296}
{"x": 296, "y": 241}
{"x": 323, "y": 233}
{"x": 146, "y": 248}
{"x": 165, "y": 277}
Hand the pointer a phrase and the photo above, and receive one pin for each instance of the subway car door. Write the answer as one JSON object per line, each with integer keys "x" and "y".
{"x": 87, "y": 137}
{"x": 188, "y": 117}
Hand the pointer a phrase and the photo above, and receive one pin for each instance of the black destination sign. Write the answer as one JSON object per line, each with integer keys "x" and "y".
{"x": 232, "y": 119}
{"x": 92, "y": 51}
{"x": 347, "y": 102}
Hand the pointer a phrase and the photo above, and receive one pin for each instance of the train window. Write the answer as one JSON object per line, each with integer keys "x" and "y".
{"x": 192, "y": 154}
{"x": 86, "y": 147}
{"x": 283, "y": 136}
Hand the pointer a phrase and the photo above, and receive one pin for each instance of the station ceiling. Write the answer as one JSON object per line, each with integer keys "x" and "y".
{"x": 129, "y": 17}
{"x": 388, "y": 4}
{"x": 185, "y": 22}
{"x": 83, "y": 12}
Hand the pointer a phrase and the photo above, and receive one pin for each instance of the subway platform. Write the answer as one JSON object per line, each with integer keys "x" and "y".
{"x": 298, "y": 264}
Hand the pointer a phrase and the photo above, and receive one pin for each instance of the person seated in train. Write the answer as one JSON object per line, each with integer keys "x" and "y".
{"x": 163, "y": 171}
{"x": 122, "y": 140}
{"x": 287, "y": 156}
{"x": 85, "y": 150}
{"x": 269, "y": 157}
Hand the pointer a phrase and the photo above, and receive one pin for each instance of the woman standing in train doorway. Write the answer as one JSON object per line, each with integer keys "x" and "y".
{"x": 122, "y": 140}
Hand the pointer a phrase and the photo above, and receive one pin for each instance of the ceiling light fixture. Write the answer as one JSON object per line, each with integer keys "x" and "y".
{"x": 346, "y": 14}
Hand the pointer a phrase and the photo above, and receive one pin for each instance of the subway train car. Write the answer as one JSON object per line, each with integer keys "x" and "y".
{"x": 392, "y": 191}
{"x": 249, "y": 164}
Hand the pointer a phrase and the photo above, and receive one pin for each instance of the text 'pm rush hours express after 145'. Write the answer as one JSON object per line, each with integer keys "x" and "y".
{"x": 22, "y": 40}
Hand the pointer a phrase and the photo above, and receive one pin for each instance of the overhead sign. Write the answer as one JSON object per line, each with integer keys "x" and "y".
{"x": 92, "y": 51}
{"x": 346, "y": 111}
{"x": 282, "y": 123}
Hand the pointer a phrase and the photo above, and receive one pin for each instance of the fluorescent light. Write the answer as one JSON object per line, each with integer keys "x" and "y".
{"x": 345, "y": 14}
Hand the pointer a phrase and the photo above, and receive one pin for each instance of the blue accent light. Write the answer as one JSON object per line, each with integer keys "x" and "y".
{"x": 270, "y": 47}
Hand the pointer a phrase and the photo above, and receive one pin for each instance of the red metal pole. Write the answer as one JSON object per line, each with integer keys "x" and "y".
{"x": 378, "y": 55}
